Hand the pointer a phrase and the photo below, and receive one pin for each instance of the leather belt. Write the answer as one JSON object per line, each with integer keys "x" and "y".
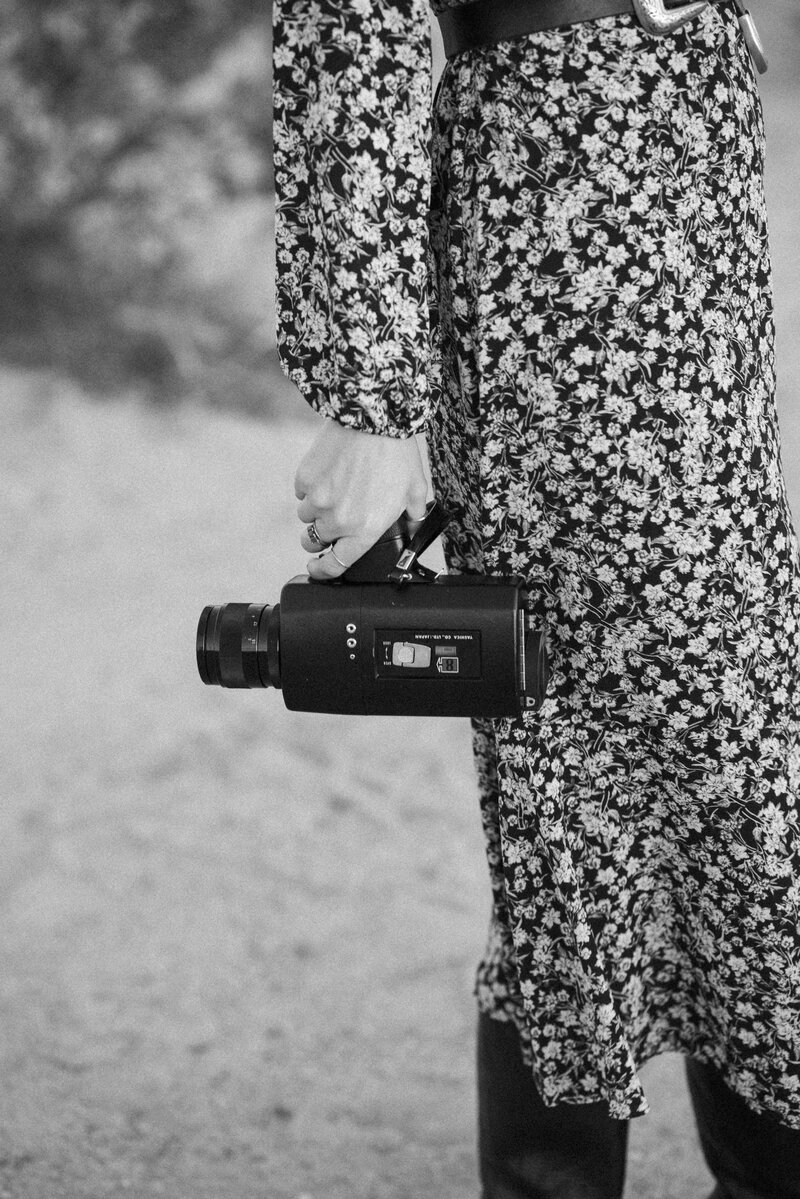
{"x": 484, "y": 22}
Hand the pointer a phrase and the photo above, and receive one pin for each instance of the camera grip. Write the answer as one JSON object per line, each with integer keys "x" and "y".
{"x": 405, "y": 539}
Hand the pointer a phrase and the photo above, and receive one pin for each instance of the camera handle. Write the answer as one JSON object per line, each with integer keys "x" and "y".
{"x": 427, "y": 530}
{"x": 394, "y": 555}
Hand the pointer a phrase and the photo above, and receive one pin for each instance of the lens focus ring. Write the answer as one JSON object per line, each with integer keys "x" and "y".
{"x": 227, "y": 645}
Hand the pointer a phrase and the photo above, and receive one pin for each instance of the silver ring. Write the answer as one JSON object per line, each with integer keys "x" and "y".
{"x": 314, "y": 536}
{"x": 330, "y": 550}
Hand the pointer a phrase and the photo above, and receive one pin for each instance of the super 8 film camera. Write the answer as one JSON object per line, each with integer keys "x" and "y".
{"x": 389, "y": 637}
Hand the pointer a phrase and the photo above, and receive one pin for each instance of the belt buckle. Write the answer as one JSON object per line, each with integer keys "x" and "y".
{"x": 658, "y": 20}
{"x": 754, "y": 45}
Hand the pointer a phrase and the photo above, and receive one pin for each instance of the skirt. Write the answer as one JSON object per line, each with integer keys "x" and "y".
{"x": 603, "y": 360}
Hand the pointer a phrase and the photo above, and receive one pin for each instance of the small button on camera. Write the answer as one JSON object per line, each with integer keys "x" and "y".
{"x": 351, "y": 641}
{"x": 351, "y": 628}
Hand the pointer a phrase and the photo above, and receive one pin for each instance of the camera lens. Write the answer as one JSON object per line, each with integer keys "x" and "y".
{"x": 238, "y": 645}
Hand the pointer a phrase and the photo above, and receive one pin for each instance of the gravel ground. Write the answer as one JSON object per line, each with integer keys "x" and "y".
{"x": 238, "y": 943}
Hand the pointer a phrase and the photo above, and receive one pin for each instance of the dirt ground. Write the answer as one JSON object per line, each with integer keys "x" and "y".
{"x": 238, "y": 943}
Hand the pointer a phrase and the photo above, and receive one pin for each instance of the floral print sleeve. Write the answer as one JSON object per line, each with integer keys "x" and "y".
{"x": 351, "y": 131}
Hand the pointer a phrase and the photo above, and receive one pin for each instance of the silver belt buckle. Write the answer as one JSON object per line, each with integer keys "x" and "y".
{"x": 750, "y": 33}
{"x": 658, "y": 20}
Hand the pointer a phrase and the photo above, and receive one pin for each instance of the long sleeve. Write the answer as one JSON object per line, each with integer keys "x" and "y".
{"x": 351, "y": 153}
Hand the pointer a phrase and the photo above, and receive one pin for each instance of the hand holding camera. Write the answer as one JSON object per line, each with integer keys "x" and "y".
{"x": 388, "y": 637}
{"x": 351, "y": 486}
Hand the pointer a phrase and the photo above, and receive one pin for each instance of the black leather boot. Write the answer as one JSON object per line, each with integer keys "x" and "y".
{"x": 529, "y": 1151}
{"x": 751, "y": 1155}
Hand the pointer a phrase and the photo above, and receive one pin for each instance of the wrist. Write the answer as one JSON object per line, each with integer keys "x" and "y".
{"x": 368, "y": 439}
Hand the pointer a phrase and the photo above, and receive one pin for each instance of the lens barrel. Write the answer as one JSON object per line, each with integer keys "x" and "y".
{"x": 238, "y": 645}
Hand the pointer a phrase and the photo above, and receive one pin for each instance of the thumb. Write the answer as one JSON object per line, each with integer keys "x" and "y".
{"x": 417, "y": 502}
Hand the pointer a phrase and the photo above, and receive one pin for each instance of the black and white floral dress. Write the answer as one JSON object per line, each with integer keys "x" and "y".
{"x": 562, "y": 274}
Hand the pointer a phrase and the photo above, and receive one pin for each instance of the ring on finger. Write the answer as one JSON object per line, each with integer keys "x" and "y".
{"x": 330, "y": 550}
{"x": 314, "y": 536}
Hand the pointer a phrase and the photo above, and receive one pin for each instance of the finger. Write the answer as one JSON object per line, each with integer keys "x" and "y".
{"x": 326, "y": 532}
{"x": 302, "y": 483}
{"x": 417, "y": 504}
{"x": 316, "y": 547}
{"x": 348, "y": 549}
{"x": 307, "y": 511}
{"x": 325, "y": 566}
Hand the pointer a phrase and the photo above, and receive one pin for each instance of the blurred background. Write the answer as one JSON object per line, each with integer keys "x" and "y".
{"x": 238, "y": 943}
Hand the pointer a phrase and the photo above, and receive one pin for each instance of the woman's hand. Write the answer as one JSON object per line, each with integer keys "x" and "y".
{"x": 354, "y": 485}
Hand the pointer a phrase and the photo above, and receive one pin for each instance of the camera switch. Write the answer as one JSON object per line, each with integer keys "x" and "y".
{"x": 351, "y": 628}
{"x": 410, "y": 653}
{"x": 351, "y": 641}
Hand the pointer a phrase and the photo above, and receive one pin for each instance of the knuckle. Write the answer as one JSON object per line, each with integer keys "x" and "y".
{"x": 302, "y": 480}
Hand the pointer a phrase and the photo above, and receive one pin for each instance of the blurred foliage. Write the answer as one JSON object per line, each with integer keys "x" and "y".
{"x": 134, "y": 144}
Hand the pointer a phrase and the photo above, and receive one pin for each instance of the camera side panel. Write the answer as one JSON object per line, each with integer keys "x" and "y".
{"x": 321, "y": 646}
{"x": 448, "y": 648}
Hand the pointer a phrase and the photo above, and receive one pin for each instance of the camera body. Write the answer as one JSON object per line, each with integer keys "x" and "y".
{"x": 396, "y": 641}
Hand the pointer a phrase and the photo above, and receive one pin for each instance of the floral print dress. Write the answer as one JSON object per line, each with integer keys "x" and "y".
{"x": 559, "y": 270}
